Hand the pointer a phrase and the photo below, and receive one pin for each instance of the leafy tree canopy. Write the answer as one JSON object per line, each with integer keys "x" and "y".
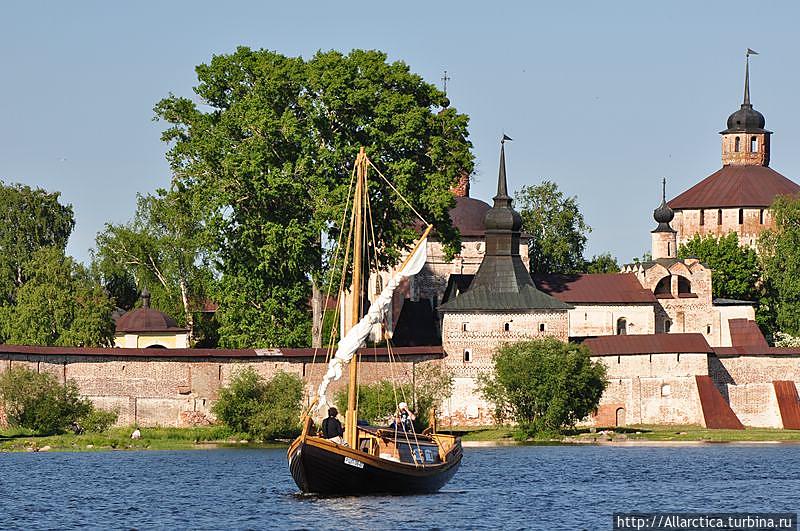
{"x": 60, "y": 304}
{"x": 269, "y": 151}
{"x": 30, "y": 219}
{"x": 164, "y": 249}
{"x": 544, "y": 385}
{"x": 734, "y": 269}
{"x": 779, "y": 253}
{"x": 556, "y": 227}
{"x": 602, "y": 263}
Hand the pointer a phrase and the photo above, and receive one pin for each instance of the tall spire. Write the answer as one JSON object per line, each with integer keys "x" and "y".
{"x": 502, "y": 199}
{"x": 746, "y": 101}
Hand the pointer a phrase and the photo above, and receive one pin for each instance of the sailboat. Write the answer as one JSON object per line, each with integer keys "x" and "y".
{"x": 369, "y": 459}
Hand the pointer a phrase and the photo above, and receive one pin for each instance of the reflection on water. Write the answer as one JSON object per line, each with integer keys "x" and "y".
{"x": 525, "y": 487}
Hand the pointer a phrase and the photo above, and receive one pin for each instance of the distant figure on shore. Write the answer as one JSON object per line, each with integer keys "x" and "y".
{"x": 136, "y": 434}
{"x": 332, "y": 428}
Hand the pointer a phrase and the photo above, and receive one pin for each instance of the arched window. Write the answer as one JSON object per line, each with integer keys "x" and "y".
{"x": 741, "y": 216}
{"x": 156, "y": 345}
{"x": 541, "y": 327}
{"x": 664, "y": 286}
{"x": 506, "y": 327}
{"x": 467, "y": 355}
{"x": 666, "y": 390}
{"x": 684, "y": 285}
{"x": 719, "y": 216}
{"x": 622, "y": 326}
{"x": 667, "y": 326}
{"x": 736, "y": 145}
{"x": 753, "y": 145}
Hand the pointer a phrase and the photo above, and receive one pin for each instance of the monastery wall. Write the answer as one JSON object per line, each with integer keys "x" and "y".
{"x": 651, "y": 389}
{"x": 470, "y": 341}
{"x": 720, "y": 222}
{"x": 589, "y": 320}
{"x": 179, "y": 392}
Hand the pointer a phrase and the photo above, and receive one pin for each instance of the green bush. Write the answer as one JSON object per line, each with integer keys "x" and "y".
{"x": 98, "y": 420}
{"x": 264, "y": 409}
{"x": 38, "y": 402}
{"x": 544, "y": 385}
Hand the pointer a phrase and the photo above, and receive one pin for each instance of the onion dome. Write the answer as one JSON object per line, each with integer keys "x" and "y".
{"x": 147, "y": 319}
{"x": 663, "y": 214}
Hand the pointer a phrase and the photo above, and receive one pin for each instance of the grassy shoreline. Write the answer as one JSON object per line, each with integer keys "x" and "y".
{"x": 217, "y": 436}
{"x": 632, "y": 434}
{"x": 120, "y": 439}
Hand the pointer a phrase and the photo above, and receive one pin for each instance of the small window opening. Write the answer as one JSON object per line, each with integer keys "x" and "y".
{"x": 702, "y": 217}
{"x": 736, "y": 145}
{"x": 684, "y": 285}
{"x": 585, "y": 316}
{"x": 506, "y": 327}
{"x": 666, "y": 390}
{"x": 669, "y": 248}
{"x": 541, "y": 327}
{"x": 719, "y": 216}
{"x": 467, "y": 355}
{"x": 708, "y": 329}
{"x": 753, "y": 145}
{"x": 622, "y": 326}
{"x": 761, "y": 216}
{"x": 663, "y": 287}
{"x": 667, "y": 326}
{"x": 465, "y": 327}
{"x": 619, "y": 360}
{"x": 741, "y": 216}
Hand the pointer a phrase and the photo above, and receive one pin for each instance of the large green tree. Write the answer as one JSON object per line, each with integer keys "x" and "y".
{"x": 165, "y": 250}
{"x": 734, "y": 269}
{"x": 555, "y": 226}
{"x": 270, "y": 147}
{"x": 779, "y": 254}
{"x": 30, "y": 219}
{"x": 59, "y": 304}
{"x": 544, "y": 384}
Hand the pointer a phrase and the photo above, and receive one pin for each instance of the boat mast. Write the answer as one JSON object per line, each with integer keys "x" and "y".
{"x": 351, "y": 419}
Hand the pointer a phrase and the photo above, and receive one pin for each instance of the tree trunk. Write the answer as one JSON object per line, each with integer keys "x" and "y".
{"x": 316, "y": 315}
{"x": 187, "y": 311}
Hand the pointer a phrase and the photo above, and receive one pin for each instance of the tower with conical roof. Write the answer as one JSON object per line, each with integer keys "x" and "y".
{"x": 735, "y": 198}
{"x": 664, "y": 237}
{"x": 502, "y": 282}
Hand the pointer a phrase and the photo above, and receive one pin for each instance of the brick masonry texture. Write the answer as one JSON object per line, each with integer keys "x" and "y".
{"x": 180, "y": 392}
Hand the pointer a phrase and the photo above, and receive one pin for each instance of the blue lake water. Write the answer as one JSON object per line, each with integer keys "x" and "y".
{"x": 520, "y": 487}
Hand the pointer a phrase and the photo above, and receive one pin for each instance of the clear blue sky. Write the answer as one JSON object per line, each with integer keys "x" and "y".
{"x": 605, "y": 98}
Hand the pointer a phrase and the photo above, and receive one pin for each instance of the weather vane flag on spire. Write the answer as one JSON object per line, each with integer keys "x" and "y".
{"x": 751, "y": 52}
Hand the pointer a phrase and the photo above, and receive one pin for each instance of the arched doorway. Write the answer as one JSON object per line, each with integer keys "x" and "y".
{"x": 620, "y": 420}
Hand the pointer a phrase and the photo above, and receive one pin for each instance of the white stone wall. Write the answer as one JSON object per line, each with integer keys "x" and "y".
{"x": 588, "y": 320}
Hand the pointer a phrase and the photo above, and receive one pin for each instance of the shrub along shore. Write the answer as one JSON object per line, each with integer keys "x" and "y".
{"x": 208, "y": 437}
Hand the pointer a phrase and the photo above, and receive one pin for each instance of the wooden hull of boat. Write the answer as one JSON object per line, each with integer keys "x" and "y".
{"x": 322, "y": 467}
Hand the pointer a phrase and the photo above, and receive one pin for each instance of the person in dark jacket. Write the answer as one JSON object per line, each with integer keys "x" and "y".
{"x": 332, "y": 428}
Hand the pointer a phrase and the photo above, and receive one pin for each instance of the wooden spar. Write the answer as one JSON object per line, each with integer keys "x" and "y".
{"x": 351, "y": 418}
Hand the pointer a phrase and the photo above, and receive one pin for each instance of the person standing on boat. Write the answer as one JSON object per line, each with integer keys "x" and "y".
{"x": 331, "y": 427}
{"x": 405, "y": 417}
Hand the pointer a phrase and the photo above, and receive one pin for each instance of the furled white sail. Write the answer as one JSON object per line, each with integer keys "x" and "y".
{"x": 355, "y": 338}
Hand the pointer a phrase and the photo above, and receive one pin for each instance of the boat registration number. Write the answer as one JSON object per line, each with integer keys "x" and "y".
{"x": 353, "y": 462}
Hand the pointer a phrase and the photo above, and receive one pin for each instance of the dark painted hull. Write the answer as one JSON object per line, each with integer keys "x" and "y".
{"x": 320, "y": 468}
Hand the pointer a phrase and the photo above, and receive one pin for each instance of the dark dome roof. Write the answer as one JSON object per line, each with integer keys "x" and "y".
{"x": 663, "y": 214}
{"x": 467, "y": 216}
{"x": 503, "y": 219}
{"x": 746, "y": 120}
{"x": 147, "y": 320}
